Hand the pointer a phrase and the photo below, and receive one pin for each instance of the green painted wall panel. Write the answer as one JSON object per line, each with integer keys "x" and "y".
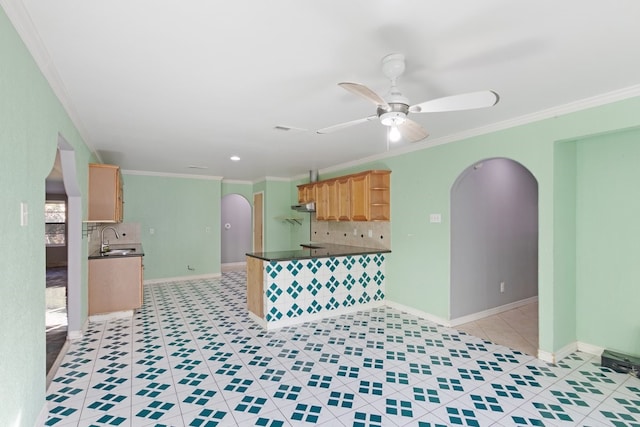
{"x": 185, "y": 216}
{"x": 608, "y": 236}
{"x": 31, "y": 117}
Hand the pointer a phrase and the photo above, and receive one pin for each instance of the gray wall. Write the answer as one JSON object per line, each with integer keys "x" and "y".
{"x": 236, "y": 240}
{"x": 494, "y": 236}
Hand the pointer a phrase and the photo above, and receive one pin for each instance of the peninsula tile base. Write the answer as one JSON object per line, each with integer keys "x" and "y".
{"x": 297, "y": 291}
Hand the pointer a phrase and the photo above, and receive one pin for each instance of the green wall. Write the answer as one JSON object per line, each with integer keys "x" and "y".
{"x": 185, "y": 216}
{"x": 608, "y": 237}
{"x": 31, "y": 117}
{"x": 244, "y": 189}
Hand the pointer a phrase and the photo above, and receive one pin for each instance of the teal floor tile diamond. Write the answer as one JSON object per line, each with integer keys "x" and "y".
{"x": 398, "y": 407}
{"x": 208, "y": 418}
{"x": 307, "y": 413}
{"x": 551, "y": 412}
{"x": 462, "y": 417}
{"x": 340, "y": 399}
{"x": 250, "y": 404}
{"x": 362, "y": 419}
{"x": 200, "y": 396}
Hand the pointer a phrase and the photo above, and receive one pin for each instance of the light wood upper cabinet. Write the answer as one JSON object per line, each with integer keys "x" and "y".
{"x": 105, "y": 193}
{"x": 306, "y": 193}
{"x": 364, "y": 196}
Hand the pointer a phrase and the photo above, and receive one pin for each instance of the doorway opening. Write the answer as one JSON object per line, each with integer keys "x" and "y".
{"x": 64, "y": 277}
{"x": 55, "y": 213}
{"x": 494, "y": 253}
{"x": 235, "y": 216}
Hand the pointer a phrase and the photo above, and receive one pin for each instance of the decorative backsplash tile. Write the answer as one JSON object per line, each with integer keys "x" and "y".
{"x": 342, "y": 233}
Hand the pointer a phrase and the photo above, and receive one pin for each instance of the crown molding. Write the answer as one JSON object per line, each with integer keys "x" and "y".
{"x": 171, "y": 175}
{"x": 236, "y": 181}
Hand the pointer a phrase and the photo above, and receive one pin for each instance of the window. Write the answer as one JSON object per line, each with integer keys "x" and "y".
{"x": 55, "y": 217}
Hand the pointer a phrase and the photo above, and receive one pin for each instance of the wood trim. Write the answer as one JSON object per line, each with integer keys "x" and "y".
{"x": 255, "y": 284}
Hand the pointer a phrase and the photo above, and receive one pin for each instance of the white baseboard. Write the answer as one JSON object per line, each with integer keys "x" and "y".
{"x": 492, "y": 311}
{"x": 590, "y": 348}
{"x": 233, "y": 266}
{"x": 182, "y": 278}
{"x": 418, "y": 313}
{"x": 565, "y": 351}
{"x": 77, "y": 335}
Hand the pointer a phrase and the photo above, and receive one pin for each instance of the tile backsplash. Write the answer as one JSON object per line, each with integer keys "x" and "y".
{"x": 342, "y": 233}
{"x": 129, "y": 233}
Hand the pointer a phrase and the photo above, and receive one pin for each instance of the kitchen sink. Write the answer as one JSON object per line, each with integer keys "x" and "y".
{"x": 120, "y": 251}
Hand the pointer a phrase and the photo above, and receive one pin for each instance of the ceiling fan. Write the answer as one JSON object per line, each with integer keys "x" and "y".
{"x": 392, "y": 110}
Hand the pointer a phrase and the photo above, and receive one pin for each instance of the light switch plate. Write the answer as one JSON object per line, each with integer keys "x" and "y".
{"x": 435, "y": 218}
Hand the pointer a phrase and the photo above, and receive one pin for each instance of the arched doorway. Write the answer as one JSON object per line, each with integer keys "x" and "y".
{"x": 494, "y": 248}
{"x": 235, "y": 216}
{"x": 66, "y": 163}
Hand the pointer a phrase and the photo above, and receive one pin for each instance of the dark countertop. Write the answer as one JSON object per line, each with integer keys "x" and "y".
{"x": 318, "y": 250}
{"x": 137, "y": 251}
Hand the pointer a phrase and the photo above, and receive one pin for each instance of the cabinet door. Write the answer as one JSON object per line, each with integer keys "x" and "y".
{"x": 359, "y": 197}
{"x": 344, "y": 199}
{"x": 322, "y": 206}
{"x": 105, "y": 193}
{"x": 115, "y": 284}
{"x": 332, "y": 200}
{"x": 306, "y": 193}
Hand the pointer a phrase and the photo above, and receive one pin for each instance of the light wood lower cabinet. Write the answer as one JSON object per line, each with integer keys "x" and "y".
{"x": 255, "y": 291}
{"x": 115, "y": 284}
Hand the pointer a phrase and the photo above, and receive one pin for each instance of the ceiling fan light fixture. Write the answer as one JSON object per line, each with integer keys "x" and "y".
{"x": 394, "y": 134}
{"x": 393, "y": 118}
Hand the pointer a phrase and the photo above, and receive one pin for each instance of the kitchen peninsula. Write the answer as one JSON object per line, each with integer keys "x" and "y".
{"x": 317, "y": 281}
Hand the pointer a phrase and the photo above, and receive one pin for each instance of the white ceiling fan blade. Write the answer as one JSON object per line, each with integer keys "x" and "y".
{"x": 364, "y": 92}
{"x": 334, "y": 128}
{"x": 412, "y": 131}
{"x": 464, "y": 101}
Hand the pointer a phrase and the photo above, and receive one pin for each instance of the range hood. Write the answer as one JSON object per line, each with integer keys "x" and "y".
{"x": 304, "y": 207}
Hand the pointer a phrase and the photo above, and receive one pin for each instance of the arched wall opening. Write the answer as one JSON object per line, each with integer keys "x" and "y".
{"x": 494, "y": 238}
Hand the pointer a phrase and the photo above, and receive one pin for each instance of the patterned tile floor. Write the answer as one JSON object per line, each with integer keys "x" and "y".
{"x": 192, "y": 357}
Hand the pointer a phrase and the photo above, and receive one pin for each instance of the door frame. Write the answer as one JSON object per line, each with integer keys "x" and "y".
{"x": 258, "y": 233}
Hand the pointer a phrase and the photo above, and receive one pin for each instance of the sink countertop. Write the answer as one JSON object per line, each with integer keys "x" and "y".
{"x": 137, "y": 251}
{"x": 319, "y": 250}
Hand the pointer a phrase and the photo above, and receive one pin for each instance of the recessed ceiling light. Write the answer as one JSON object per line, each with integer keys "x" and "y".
{"x": 235, "y": 158}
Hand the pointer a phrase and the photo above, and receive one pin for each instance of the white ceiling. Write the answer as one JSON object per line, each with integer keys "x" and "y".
{"x": 160, "y": 85}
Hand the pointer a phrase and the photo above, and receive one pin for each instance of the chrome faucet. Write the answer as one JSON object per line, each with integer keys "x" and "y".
{"x": 104, "y": 247}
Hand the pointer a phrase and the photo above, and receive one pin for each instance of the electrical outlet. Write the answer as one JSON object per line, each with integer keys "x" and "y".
{"x": 152, "y": 231}
{"x": 370, "y": 233}
{"x": 355, "y": 231}
{"x": 501, "y": 287}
